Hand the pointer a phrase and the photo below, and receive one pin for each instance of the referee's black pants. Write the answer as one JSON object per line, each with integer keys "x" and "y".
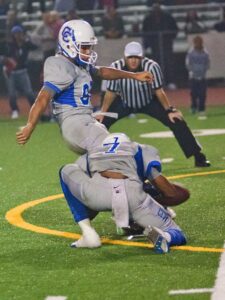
{"x": 181, "y": 131}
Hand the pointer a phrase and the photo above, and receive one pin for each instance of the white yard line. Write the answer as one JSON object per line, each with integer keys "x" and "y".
{"x": 142, "y": 121}
{"x": 218, "y": 291}
{"x": 55, "y": 298}
{"x": 219, "y": 287}
{"x": 190, "y": 291}
{"x": 167, "y": 160}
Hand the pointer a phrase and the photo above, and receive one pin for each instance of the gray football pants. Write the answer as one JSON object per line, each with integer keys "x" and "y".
{"x": 97, "y": 192}
{"x": 82, "y": 132}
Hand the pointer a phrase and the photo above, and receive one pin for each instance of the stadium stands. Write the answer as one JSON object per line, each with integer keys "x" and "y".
{"x": 133, "y": 13}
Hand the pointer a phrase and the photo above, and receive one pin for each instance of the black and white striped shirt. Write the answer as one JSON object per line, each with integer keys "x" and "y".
{"x": 134, "y": 93}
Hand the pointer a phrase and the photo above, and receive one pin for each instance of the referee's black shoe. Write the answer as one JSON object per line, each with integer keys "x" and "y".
{"x": 201, "y": 161}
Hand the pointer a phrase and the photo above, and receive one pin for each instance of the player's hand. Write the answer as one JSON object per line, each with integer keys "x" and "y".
{"x": 99, "y": 118}
{"x": 175, "y": 115}
{"x": 144, "y": 76}
{"x": 24, "y": 134}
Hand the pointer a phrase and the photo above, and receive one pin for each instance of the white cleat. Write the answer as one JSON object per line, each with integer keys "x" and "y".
{"x": 14, "y": 115}
{"x": 158, "y": 238}
{"x": 88, "y": 240}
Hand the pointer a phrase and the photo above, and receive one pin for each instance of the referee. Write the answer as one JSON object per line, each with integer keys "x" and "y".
{"x": 128, "y": 96}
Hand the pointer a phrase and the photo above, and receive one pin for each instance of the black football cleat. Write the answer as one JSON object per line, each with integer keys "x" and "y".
{"x": 201, "y": 161}
{"x": 133, "y": 229}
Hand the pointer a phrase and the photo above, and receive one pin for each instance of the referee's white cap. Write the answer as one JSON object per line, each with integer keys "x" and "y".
{"x": 133, "y": 49}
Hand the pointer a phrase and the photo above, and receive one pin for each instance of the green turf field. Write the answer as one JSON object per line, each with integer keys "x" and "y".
{"x": 36, "y": 265}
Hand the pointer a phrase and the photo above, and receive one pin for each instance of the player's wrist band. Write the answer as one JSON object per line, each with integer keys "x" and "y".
{"x": 171, "y": 109}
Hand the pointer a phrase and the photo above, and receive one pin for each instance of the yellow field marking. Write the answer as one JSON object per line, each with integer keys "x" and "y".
{"x": 14, "y": 217}
{"x": 196, "y": 174}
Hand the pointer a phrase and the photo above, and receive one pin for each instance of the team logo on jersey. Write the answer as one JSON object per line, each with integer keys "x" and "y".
{"x": 68, "y": 33}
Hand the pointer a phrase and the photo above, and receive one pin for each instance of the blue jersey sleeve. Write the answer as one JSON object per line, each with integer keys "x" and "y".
{"x": 148, "y": 162}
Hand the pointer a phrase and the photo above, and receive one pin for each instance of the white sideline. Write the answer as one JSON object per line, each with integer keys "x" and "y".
{"x": 219, "y": 287}
{"x": 190, "y": 291}
{"x": 55, "y": 298}
{"x": 167, "y": 160}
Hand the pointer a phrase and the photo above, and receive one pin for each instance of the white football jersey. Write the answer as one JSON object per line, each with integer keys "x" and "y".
{"x": 71, "y": 85}
{"x": 133, "y": 160}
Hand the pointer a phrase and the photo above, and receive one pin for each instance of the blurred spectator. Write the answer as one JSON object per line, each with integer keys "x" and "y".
{"x": 72, "y": 15}
{"x": 46, "y": 34}
{"x": 162, "y": 2}
{"x": 11, "y": 21}
{"x": 84, "y": 5}
{"x": 30, "y": 5}
{"x": 4, "y": 7}
{"x": 220, "y": 26}
{"x": 217, "y": 1}
{"x": 56, "y": 23}
{"x": 15, "y": 68}
{"x": 177, "y": 2}
{"x": 104, "y": 4}
{"x": 192, "y": 24}
{"x": 197, "y": 63}
{"x": 64, "y": 6}
{"x": 112, "y": 24}
{"x": 159, "y": 31}
{"x": 6, "y": 24}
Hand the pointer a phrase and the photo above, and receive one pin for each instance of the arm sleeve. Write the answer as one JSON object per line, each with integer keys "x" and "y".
{"x": 151, "y": 162}
{"x": 113, "y": 85}
{"x": 94, "y": 70}
{"x": 157, "y": 74}
{"x": 56, "y": 76}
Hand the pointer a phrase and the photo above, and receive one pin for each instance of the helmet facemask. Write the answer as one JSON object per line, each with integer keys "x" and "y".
{"x": 89, "y": 58}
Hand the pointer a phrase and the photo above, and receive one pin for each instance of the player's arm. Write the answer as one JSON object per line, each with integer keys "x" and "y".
{"x": 173, "y": 113}
{"x": 108, "y": 73}
{"x": 171, "y": 194}
{"x": 39, "y": 106}
{"x": 157, "y": 86}
{"x": 157, "y": 185}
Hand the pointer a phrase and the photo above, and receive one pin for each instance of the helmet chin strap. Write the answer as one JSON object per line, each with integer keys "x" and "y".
{"x": 92, "y": 57}
{"x": 80, "y": 62}
{"x": 83, "y": 62}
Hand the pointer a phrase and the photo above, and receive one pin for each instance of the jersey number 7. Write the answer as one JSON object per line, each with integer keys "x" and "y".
{"x": 112, "y": 146}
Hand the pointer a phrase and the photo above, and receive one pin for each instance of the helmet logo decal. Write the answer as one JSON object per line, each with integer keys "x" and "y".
{"x": 67, "y": 33}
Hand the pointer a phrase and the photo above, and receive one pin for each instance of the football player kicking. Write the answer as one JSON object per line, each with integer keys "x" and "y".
{"x": 110, "y": 177}
{"x": 67, "y": 82}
